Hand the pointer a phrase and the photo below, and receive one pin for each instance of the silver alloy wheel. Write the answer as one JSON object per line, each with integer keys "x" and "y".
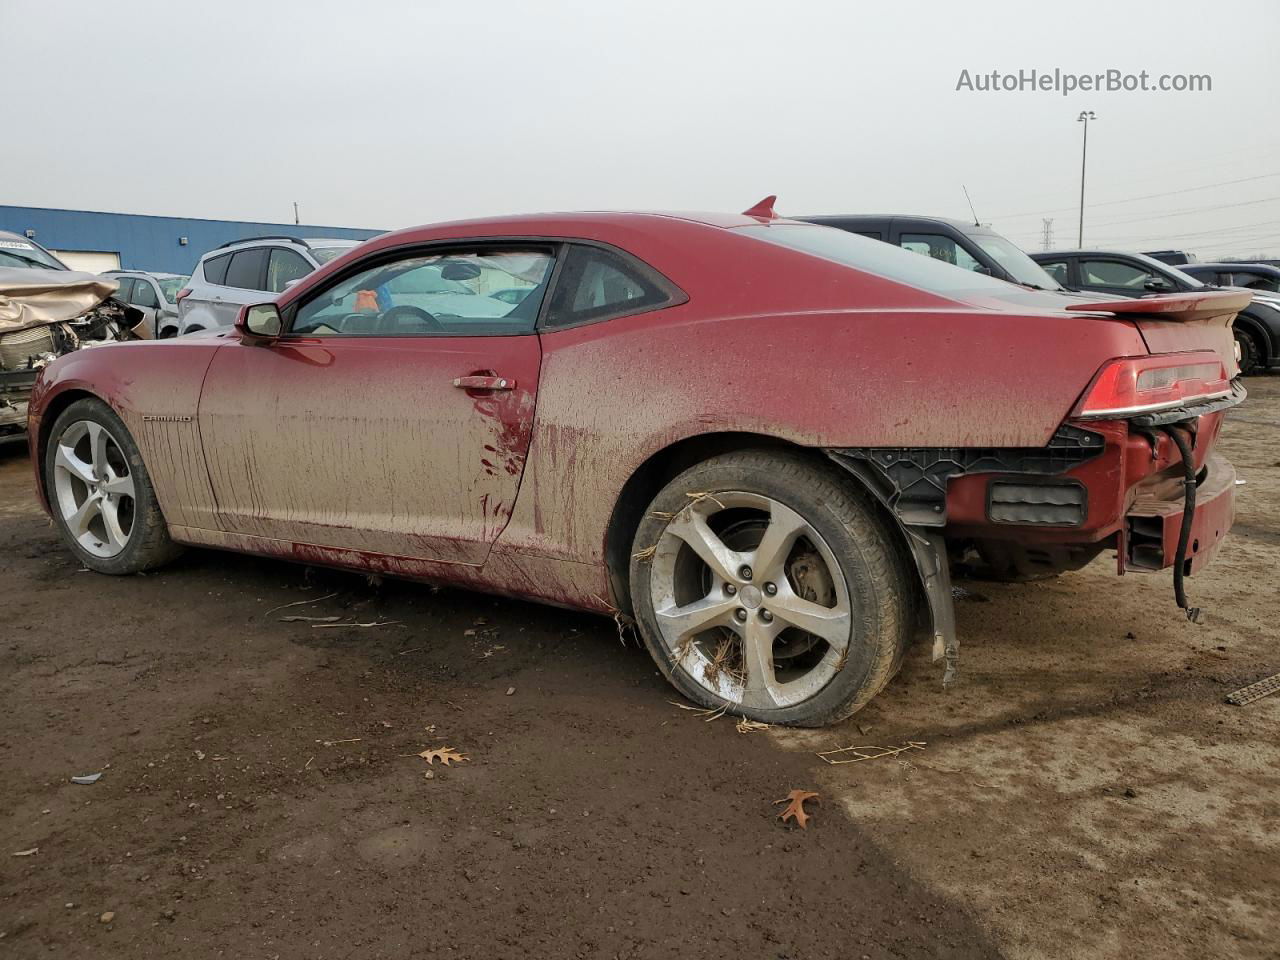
{"x": 93, "y": 488}
{"x": 750, "y": 600}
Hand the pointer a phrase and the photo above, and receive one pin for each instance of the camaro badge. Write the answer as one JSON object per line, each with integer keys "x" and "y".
{"x": 165, "y": 419}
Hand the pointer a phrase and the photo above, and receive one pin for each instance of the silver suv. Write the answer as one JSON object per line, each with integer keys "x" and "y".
{"x": 155, "y": 294}
{"x": 241, "y": 271}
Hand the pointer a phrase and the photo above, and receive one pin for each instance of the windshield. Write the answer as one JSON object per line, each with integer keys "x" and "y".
{"x": 1186, "y": 278}
{"x": 1019, "y": 266}
{"x": 169, "y": 286}
{"x": 20, "y": 253}
{"x": 324, "y": 254}
{"x": 883, "y": 259}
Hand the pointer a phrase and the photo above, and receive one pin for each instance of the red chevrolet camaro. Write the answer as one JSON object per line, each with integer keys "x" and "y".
{"x": 766, "y": 441}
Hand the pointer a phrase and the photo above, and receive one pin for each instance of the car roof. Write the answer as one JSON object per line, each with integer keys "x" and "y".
{"x": 964, "y": 226}
{"x": 1231, "y": 265}
{"x": 605, "y": 226}
{"x": 1090, "y": 253}
{"x": 276, "y": 240}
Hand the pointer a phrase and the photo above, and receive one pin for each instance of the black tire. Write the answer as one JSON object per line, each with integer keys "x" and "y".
{"x": 1250, "y": 352}
{"x": 862, "y": 541}
{"x": 149, "y": 545}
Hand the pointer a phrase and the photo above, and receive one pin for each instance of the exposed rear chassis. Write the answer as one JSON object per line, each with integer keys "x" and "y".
{"x": 913, "y": 484}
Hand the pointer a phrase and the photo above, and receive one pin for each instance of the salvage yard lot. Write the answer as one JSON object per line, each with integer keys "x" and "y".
{"x": 1084, "y": 789}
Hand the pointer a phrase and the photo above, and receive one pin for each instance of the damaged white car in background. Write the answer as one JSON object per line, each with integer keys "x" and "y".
{"x": 45, "y": 313}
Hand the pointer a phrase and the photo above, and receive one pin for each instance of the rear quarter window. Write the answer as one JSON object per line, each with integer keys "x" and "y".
{"x": 215, "y": 269}
{"x": 597, "y": 284}
{"x": 247, "y": 269}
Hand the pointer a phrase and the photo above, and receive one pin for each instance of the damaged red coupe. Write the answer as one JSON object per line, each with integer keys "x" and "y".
{"x": 766, "y": 441}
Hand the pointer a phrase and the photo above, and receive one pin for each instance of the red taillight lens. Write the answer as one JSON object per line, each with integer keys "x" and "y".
{"x": 1135, "y": 385}
{"x": 185, "y": 291}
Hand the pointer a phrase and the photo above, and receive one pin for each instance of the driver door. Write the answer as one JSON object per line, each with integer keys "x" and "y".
{"x": 388, "y": 419}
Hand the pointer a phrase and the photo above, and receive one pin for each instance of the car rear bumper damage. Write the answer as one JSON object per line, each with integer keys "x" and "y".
{"x": 1153, "y": 523}
{"x": 1098, "y": 484}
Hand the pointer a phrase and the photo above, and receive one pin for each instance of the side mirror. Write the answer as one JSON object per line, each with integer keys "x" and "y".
{"x": 1157, "y": 285}
{"x": 259, "y": 322}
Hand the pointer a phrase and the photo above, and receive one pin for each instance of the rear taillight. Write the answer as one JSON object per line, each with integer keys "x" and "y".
{"x": 185, "y": 291}
{"x": 1137, "y": 385}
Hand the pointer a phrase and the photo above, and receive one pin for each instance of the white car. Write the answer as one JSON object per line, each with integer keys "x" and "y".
{"x": 241, "y": 271}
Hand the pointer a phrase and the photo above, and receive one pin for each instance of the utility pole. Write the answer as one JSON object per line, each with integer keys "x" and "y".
{"x": 295, "y": 213}
{"x": 1085, "y": 117}
{"x": 1046, "y": 233}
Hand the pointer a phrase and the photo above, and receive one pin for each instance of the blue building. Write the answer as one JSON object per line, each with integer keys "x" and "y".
{"x": 87, "y": 240}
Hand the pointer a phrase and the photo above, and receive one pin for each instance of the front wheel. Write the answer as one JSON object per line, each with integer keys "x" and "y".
{"x": 764, "y": 584}
{"x": 100, "y": 493}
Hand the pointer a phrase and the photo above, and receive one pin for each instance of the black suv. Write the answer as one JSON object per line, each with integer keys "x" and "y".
{"x": 1255, "y": 276}
{"x": 1114, "y": 274}
{"x": 967, "y": 245}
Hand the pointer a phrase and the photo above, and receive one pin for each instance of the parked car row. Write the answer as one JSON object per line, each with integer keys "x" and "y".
{"x": 762, "y": 440}
{"x": 982, "y": 250}
{"x": 1256, "y": 327}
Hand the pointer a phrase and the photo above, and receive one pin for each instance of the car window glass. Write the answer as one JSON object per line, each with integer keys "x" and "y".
{"x": 125, "y": 293}
{"x": 169, "y": 287}
{"x": 1255, "y": 282}
{"x": 284, "y": 265}
{"x": 433, "y": 294}
{"x": 324, "y": 254}
{"x": 143, "y": 294}
{"x": 1113, "y": 273}
{"x": 1056, "y": 269}
{"x": 940, "y": 248}
{"x": 215, "y": 268}
{"x": 595, "y": 284}
{"x": 246, "y": 268}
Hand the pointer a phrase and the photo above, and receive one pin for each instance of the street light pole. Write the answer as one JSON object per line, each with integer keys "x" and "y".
{"x": 1085, "y": 117}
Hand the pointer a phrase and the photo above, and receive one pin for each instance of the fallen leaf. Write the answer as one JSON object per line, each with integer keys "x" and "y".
{"x": 26, "y": 853}
{"x": 795, "y": 807}
{"x": 445, "y": 755}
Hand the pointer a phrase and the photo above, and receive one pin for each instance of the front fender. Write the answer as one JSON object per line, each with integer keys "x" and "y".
{"x": 154, "y": 387}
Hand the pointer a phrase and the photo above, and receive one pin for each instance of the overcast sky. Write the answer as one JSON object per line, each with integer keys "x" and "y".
{"x": 385, "y": 113}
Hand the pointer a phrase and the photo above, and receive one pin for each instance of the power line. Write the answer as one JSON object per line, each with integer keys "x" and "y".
{"x": 1185, "y": 212}
{"x": 1149, "y": 196}
{"x": 1221, "y": 235}
{"x": 1205, "y": 233}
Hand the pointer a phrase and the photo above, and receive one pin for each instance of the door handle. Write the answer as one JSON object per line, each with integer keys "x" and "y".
{"x": 484, "y": 383}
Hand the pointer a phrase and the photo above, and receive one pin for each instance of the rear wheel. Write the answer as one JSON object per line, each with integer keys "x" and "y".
{"x": 100, "y": 493}
{"x": 1250, "y": 352}
{"x": 764, "y": 585}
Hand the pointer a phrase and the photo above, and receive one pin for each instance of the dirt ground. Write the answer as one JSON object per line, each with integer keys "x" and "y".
{"x": 1084, "y": 792}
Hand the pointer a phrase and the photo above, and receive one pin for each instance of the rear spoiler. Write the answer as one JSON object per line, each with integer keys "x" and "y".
{"x": 1178, "y": 307}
